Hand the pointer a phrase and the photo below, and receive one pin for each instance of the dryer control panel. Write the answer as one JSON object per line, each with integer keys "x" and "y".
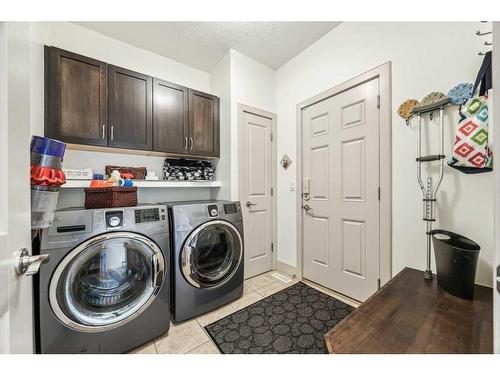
{"x": 231, "y": 208}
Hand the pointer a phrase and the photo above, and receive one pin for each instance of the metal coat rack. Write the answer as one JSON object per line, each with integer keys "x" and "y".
{"x": 484, "y": 33}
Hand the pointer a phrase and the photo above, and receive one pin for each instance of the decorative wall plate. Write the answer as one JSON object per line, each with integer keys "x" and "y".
{"x": 432, "y": 98}
{"x": 405, "y": 109}
{"x": 461, "y": 93}
{"x": 285, "y": 161}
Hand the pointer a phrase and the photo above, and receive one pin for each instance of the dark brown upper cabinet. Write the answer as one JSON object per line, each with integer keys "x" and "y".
{"x": 170, "y": 117}
{"x": 76, "y": 98}
{"x": 90, "y": 102}
{"x": 203, "y": 124}
{"x": 130, "y": 109}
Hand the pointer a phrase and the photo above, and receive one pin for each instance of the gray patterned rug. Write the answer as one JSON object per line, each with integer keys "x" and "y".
{"x": 293, "y": 320}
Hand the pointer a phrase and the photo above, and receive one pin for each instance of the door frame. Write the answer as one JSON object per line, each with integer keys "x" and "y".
{"x": 495, "y": 131}
{"x": 242, "y": 108}
{"x": 383, "y": 73}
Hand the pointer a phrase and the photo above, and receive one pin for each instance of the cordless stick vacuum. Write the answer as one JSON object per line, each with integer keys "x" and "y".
{"x": 428, "y": 191}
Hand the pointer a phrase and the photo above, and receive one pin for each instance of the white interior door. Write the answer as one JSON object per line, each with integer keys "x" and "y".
{"x": 257, "y": 200}
{"x": 16, "y": 305}
{"x": 341, "y": 186}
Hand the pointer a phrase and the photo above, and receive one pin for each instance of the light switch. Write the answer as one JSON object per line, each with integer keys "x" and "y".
{"x": 292, "y": 185}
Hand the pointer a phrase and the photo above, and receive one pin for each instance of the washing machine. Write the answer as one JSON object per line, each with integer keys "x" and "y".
{"x": 105, "y": 287}
{"x": 207, "y": 256}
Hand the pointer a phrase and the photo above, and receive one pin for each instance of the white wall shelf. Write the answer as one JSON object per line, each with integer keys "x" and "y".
{"x": 152, "y": 184}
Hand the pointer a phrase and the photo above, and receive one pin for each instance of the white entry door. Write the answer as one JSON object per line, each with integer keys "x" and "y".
{"x": 256, "y": 199}
{"x": 341, "y": 187}
{"x": 16, "y": 305}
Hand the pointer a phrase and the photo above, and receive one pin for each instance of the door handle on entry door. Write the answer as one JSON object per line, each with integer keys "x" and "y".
{"x": 249, "y": 204}
{"x": 29, "y": 265}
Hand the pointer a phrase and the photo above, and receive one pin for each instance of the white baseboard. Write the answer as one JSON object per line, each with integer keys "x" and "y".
{"x": 288, "y": 270}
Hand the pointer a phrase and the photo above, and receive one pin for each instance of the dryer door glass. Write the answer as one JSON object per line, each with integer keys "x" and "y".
{"x": 211, "y": 254}
{"x": 106, "y": 281}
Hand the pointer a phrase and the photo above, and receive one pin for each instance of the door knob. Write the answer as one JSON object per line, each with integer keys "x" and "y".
{"x": 248, "y": 204}
{"x": 498, "y": 279}
{"x": 306, "y": 207}
{"x": 29, "y": 265}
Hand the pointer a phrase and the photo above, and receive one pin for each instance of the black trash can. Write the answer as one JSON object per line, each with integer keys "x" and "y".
{"x": 456, "y": 261}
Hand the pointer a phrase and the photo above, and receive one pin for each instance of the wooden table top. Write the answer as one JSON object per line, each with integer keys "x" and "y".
{"x": 413, "y": 315}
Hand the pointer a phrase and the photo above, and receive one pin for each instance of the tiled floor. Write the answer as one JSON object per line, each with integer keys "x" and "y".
{"x": 190, "y": 337}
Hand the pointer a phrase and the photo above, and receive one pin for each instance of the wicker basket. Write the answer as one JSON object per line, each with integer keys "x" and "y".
{"x": 109, "y": 197}
{"x": 138, "y": 172}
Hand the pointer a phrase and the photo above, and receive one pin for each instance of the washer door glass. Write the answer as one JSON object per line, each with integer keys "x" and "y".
{"x": 106, "y": 281}
{"x": 211, "y": 254}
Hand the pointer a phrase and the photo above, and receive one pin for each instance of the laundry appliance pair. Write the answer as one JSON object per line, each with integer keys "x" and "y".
{"x": 116, "y": 277}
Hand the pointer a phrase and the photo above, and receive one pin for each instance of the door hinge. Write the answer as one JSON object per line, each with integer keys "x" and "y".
{"x": 272, "y": 136}
{"x": 378, "y": 284}
{"x": 378, "y": 193}
{"x": 272, "y": 192}
{"x": 378, "y": 101}
{"x": 272, "y": 247}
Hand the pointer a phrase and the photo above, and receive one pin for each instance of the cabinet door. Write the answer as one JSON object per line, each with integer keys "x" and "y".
{"x": 170, "y": 117}
{"x": 130, "y": 109}
{"x": 76, "y": 98}
{"x": 203, "y": 124}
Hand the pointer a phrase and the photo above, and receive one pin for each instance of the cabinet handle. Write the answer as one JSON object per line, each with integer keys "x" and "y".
{"x": 103, "y": 131}
{"x": 186, "y": 143}
{"x": 191, "y": 143}
{"x": 112, "y": 132}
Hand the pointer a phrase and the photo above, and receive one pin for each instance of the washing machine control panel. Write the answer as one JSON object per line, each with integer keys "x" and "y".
{"x": 213, "y": 210}
{"x": 114, "y": 219}
{"x": 148, "y": 215}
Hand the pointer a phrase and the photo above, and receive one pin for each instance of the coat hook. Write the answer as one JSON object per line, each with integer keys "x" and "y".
{"x": 479, "y": 33}
{"x": 487, "y": 43}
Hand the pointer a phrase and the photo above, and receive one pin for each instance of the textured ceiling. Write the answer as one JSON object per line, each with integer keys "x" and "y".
{"x": 203, "y": 44}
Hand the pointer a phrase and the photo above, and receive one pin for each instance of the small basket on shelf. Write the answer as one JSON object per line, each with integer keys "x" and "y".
{"x": 138, "y": 173}
{"x": 110, "y": 197}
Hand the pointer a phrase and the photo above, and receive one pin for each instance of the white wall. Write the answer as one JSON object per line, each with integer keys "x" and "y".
{"x": 425, "y": 57}
{"x": 235, "y": 79}
{"x": 78, "y": 39}
{"x": 252, "y": 84}
{"x": 220, "y": 85}
{"x": 238, "y": 79}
